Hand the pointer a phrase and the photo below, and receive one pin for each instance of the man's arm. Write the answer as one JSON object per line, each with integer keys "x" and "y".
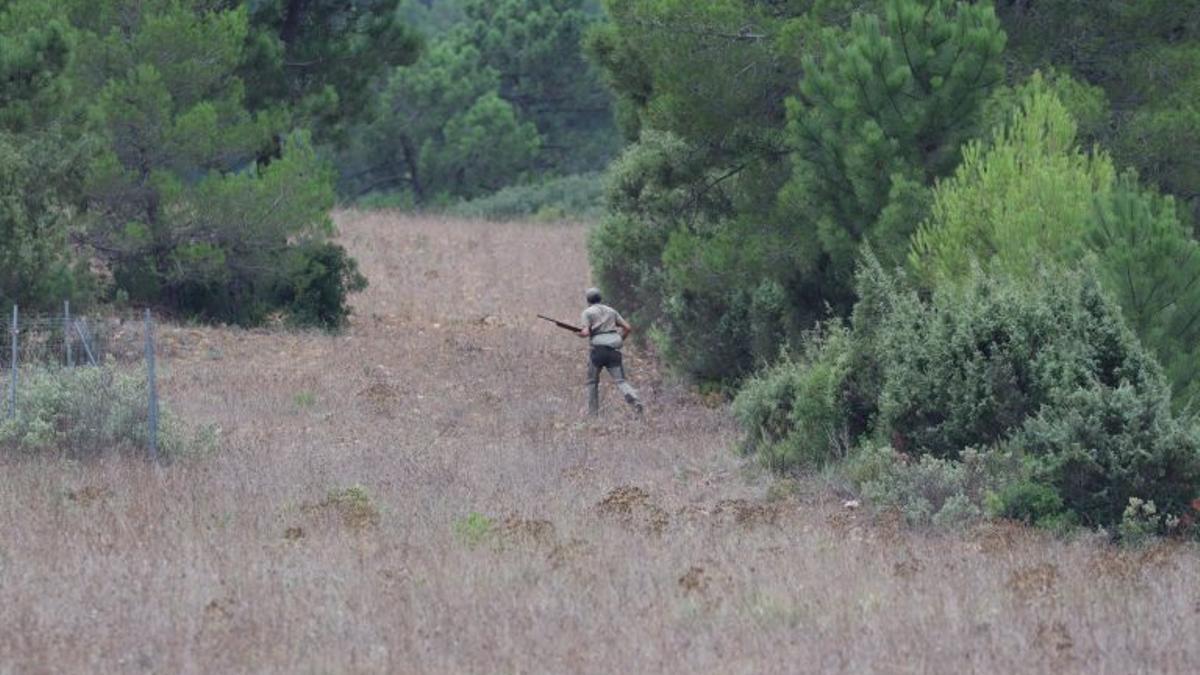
{"x": 626, "y": 329}
{"x": 586, "y": 331}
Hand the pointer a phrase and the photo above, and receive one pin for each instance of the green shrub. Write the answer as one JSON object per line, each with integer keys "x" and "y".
{"x": 558, "y": 198}
{"x": 1044, "y": 370}
{"x": 972, "y": 364}
{"x": 647, "y": 192}
{"x": 88, "y": 412}
{"x": 794, "y": 414}
{"x": 1098, "y": 447}
{"x": 929, "y": 490}
{"x": 1048, "y": 369}
{"x": 1033, "y": 197}
{"x": 319, "y": 277}
{"x": 1029, "y": 502}
{"x": 1140, "y": 521}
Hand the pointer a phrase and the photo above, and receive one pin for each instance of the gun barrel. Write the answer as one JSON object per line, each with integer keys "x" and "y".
{"x": 561, "y": 324}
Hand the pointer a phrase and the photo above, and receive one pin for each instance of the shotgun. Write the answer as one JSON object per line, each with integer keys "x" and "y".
{"x": 561, "y": 324}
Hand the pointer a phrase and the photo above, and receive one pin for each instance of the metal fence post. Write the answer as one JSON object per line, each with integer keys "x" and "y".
{"x": 82, "y": 330}
{"x": 152, "y": 381}
{"x": 67, "y": 333}
{"x": 12, "y": 398}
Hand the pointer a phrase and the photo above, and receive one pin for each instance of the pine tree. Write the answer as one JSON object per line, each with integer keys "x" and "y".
{"x": 1032, "y": 198}
{"x": 39, "y": 162}
{"x": 883, "y": 113}
{"x": 178, "y": 206}
{"x": 319, "y": 58}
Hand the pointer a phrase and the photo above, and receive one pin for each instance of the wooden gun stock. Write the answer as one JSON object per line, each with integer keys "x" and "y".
{"x": 561, "y": 324}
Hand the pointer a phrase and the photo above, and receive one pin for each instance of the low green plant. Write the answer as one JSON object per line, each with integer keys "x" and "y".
{"x": 473, "y": 529}
{"x": 1140, "y": 522}
{"x": 1030, "y": 502}
{"x": 933, "y": 491}
{"x": 318, "y": 278}
{"x": 89, "y": 412}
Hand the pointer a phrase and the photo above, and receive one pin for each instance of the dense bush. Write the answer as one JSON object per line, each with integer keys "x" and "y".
{"x": 1044, "y": 372}
{"x": 647, "y": 192}
{"x": 1100, "y": 447}
{"x": 1033, "y": 197}
{"x": 579, "y": 197}
{"x": 237, "y": 247}
{"x": 976, "y": 361}
{"x": 795, "y": 413}
{"x": 89, "y": 412}
{"x": 317, "y": 281}
{"x": 928, "y": 490}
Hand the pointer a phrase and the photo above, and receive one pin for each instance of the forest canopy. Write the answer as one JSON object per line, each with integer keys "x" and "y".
{"x": 960, "y": 231}
{"x": 187, "y": 154}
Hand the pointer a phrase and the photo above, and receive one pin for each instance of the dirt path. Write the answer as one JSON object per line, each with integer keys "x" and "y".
{"x": 423, "y": 495}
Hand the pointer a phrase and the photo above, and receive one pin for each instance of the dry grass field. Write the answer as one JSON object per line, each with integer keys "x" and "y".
{"x": 423, "y": 495}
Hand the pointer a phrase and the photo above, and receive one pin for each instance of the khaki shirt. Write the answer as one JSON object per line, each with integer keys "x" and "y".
{"x": 601, "y": 321}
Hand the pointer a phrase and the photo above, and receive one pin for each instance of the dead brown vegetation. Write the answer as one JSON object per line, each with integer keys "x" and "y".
{"x": 615, "y": 546}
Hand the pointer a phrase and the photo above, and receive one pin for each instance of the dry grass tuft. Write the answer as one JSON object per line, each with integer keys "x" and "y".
{"x": 618, "y": 546}
{"x": 633, "y": 507}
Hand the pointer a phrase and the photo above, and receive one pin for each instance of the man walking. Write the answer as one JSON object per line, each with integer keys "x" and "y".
{"x": 606, "y": 331}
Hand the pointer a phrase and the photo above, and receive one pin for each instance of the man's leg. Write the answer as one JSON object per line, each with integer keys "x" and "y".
{"x": 593, "y": 386}
{"x": 617, "y": 370}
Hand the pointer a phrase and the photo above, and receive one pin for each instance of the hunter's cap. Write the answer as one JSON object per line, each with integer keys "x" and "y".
{"x": 592, "y": 295}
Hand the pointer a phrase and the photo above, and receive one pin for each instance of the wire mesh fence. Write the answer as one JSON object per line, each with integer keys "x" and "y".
{"x": 53, "y": 341}
{"x": 32, "y": 346}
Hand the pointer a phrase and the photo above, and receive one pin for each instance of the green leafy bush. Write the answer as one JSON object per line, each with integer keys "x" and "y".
{"x": 1049, "y": 370}
{"x": 89, "y": 412}
{"x": 1032, "y": 197}
{"x": 1044, "y": 372}
{"x": 1100, "y": 446}
{"x": 794, "y": 413}
{"x": 974, "y": 362}
{"x": 1140, "y": 521}
{"x": 929, "y": 490}
{"x": 318, "y": 278}
{"x": 566, "y": 197}
{"x": 1031, "y": 503}
{"x": 646, "y": 194}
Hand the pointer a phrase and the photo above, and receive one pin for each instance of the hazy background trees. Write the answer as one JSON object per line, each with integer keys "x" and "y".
{"x": 502, "y": 96}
